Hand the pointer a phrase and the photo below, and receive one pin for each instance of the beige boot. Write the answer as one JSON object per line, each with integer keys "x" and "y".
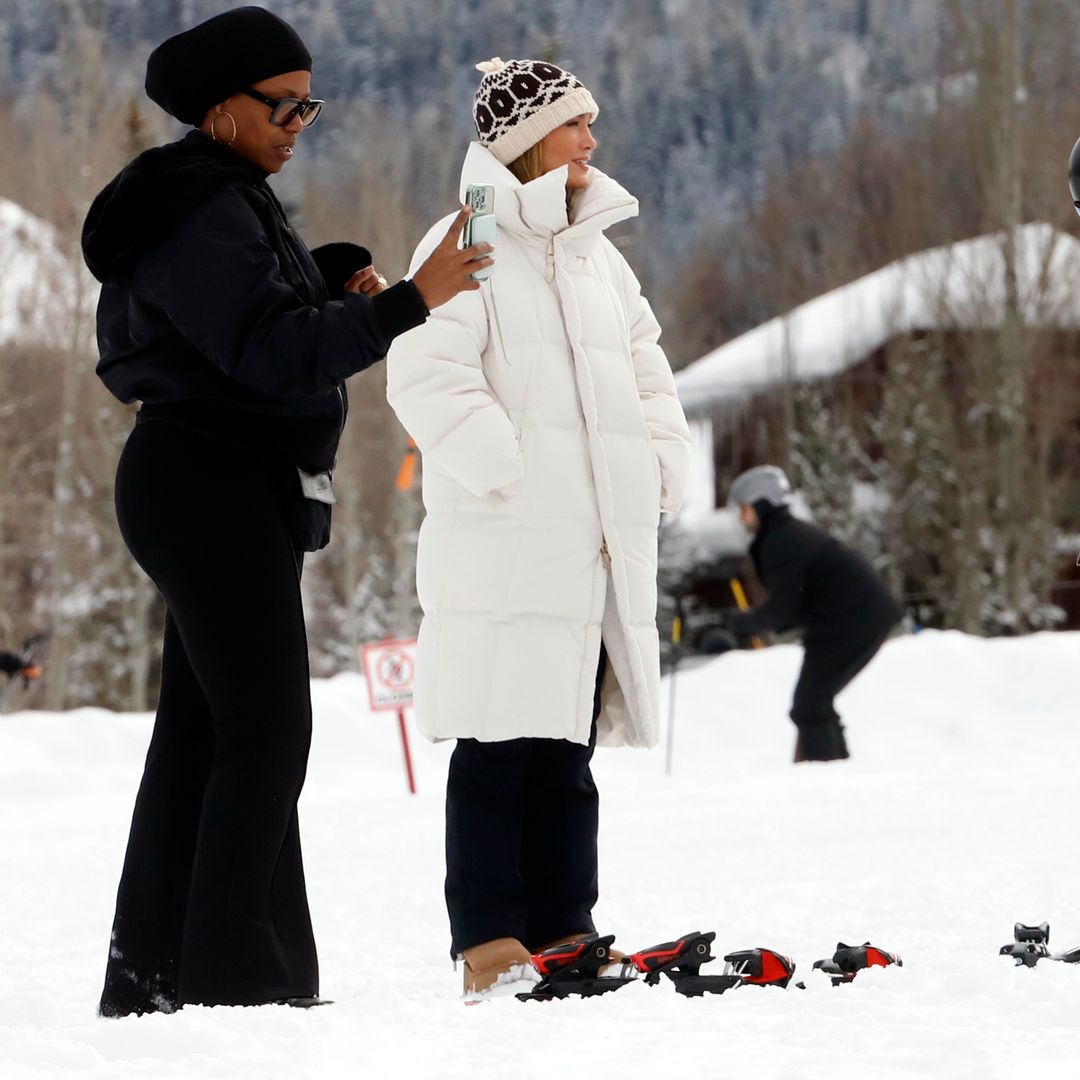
{"x": 495, "y": 962}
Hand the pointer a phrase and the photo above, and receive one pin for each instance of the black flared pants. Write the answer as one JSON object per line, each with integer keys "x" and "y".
{"x": 212, "y": 906}
{"x": 521, "y": 839}
{"x": 829, "y": 664}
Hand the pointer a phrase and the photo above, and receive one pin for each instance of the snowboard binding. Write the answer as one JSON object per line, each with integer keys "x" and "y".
{"x": 760, "y": 967}
{"x": 849, "y": 960}
{"x": 574, "y": 969}
{"x": 1032, "y": 943}
{"x": 681, "y": 962}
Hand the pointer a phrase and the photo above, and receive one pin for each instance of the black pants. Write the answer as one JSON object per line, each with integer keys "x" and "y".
{"x": 212, "y": 906}
{"x": 521, "y": 828}
{"x": 829, "y": 664}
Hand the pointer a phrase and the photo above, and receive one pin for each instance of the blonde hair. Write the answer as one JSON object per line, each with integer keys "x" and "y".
{"x": 528, "y": 166}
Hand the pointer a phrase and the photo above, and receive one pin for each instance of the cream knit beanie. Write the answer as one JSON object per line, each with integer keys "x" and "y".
{"x": 518, "y": 102}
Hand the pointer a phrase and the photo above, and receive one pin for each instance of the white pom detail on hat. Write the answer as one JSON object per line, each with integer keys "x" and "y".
{"x": 489, "y": 67}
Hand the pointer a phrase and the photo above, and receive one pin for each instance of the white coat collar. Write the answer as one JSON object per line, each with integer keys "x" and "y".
{"x": 538, "y": 209}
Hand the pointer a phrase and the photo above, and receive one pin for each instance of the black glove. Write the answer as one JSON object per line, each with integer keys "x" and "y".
{"x": 337, "y": 263}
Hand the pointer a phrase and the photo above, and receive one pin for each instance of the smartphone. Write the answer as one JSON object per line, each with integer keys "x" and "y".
{"x": 480, "y": 228}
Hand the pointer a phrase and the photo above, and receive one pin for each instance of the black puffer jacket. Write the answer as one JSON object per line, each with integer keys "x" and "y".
{"x": 213, "y": 309}
{"x": 814, "y": 582}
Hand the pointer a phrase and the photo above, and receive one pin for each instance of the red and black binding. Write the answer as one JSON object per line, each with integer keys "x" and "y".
{"x": 574, "y": 969}
{"x": 760, "y": 967}
{"x": 849, "y": 960}
{"x": 681, "y": 961}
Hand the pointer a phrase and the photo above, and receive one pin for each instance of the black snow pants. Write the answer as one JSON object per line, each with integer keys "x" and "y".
{"x": 829, "y": 664}
{"x": 521, "y": 839}
{"x": 212, "y": 906}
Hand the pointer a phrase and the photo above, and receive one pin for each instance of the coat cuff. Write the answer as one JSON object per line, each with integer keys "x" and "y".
{"x": 399, "y": 308}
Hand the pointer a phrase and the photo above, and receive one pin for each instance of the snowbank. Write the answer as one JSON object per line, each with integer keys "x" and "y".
{"x": 956, "y": 817}
{"x": 47, "y": 295}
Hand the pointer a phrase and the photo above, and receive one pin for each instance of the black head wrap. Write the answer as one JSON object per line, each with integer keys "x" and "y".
{"x": 193, "y": 71}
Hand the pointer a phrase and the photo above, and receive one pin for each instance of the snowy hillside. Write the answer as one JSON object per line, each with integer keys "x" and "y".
{"x": 42, "y": 287}
{"x": 956, "y": 817}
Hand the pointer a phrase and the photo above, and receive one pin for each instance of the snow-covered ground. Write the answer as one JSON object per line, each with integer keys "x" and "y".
{"x": 956, "y": 817}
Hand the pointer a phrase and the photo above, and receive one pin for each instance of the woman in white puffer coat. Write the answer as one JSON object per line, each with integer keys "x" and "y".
{"x": 552, "y": 439}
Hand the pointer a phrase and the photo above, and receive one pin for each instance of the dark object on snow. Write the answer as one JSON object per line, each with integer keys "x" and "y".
{"x": 337, "y": 263}
{"x": 195, "y": 70}
{"x": 849, "y": 960}
{"x": 1031, "y": 944}
{"x": 574, "y": 969}
{"x": 760, "y": 967}
{"x": 821, "y": 742}
{"x": 681, "y": 962}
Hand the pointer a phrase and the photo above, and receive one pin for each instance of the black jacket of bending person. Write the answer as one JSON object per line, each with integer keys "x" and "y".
{"x": 813, "y": 582}
{"x": 214, "y": 312}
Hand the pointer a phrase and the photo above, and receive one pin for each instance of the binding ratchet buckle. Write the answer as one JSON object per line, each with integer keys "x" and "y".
{"x": 681, "y": 962}
{"x": 574, "y": 968}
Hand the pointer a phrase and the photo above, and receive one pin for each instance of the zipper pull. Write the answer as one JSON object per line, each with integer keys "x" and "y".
{"x": 550, "y": 268}
{"x": 605, "y": 555}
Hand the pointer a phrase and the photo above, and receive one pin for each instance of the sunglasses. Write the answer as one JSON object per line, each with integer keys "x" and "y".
{"x": 285, "y": 110}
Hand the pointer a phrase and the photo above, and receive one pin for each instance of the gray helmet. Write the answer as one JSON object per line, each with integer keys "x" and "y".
{"x": 764, "y": 482}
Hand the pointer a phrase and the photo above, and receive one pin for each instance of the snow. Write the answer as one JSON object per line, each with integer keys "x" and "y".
{"x": 955, "y": 818}
{"x": 958, "y": 286}
{"x": 42, "y": 287}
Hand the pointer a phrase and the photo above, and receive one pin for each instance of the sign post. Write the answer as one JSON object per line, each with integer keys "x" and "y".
{"x": 389, "y": 667}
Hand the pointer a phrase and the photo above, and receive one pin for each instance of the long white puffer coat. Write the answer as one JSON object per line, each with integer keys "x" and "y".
{"x": 552, "y": 438}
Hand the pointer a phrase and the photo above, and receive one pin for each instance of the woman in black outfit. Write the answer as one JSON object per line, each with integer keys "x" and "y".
{"x": 217, "y": 318}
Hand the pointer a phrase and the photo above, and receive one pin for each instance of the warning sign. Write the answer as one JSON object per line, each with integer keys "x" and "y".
{"x": 389, "y": 667}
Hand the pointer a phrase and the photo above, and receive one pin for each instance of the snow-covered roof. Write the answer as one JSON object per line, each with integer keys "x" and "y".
{"x": 959, "y": 286}
{"x": 42, "y": 285}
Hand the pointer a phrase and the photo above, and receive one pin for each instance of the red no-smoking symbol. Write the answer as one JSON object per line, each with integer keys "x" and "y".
{"x": 395, "y": 670}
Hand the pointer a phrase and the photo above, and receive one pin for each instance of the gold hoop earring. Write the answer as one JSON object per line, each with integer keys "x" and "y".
{"x": 213, "y": 133}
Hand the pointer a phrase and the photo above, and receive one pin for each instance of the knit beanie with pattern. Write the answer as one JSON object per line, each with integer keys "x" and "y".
{"x": 518, "y": 102}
